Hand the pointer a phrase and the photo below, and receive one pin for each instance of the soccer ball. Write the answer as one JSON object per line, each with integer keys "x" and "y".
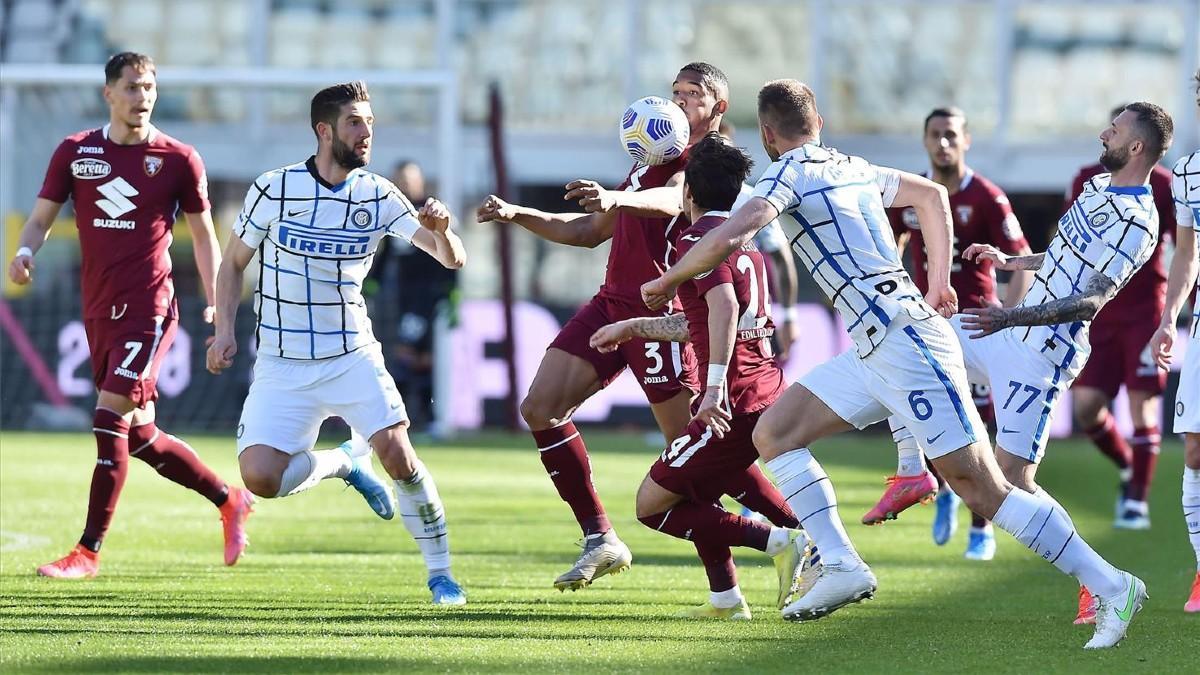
{"x": 654, "y": 130}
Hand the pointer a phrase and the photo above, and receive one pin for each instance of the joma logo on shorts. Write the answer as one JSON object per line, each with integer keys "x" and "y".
{"x": 125, "y": 372}
{"x": 655, "y": 379}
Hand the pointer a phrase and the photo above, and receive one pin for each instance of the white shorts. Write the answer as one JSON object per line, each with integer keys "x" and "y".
{"x": 916, "y": 373}
{"x": 289, "y": 399}
{"x": 1025, "y": 387}
{"x": 1187, "y": 396}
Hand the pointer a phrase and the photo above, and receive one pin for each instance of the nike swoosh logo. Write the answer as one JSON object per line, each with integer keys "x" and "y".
{"x": 1006, "y": 430}
{"x": 293, "y": 214}
{"x": 934, "y": 439}
{"x": 1127, "y": 613}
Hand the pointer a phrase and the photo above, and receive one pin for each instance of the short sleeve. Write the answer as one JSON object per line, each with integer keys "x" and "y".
{"x": 779, "y": 184}
{"x": 1121, "y": 260}
{"x": 59, "y": 183}
{"x": 1185, "y": 211}
{"x": 1004, "y": 229}
{"x": 401, "y": 216}
{"x": 721, "y": 274}
{"x": 888, "y": 182}
{"x": 253, "y": 221}
{"x": 193, "y": 194}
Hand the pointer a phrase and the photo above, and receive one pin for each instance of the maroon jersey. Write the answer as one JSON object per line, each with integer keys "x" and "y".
{"x": 981, "y": 215}
{"x": 1145, "y": 294}
{"x": 754, "y": 379}
{"x": 125, "y": 202}
{"x": 641, "y": 246}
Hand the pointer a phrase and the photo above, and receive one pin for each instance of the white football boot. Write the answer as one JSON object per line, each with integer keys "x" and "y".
{"x": 834, "y": 586}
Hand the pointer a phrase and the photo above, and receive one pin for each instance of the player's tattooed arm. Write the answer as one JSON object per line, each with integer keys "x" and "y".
{"x": 587, "y": 230}
{"x": 1081, "y": 306}
{"x": 671, "y": 328}
{"x": 1003, "y": 261}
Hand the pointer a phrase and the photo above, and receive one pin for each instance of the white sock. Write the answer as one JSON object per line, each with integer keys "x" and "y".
{"x": 778, "y": 540}
{"x": 1191, "y": 508}
{"x": 423, "y": 515}
{"x": 310, "y": 467}
{"x": 726, "y": 599}
{"x": 908, "y": 453}
{"x": 359, "y": 446}
{"x": 1045, "y": 528}
{"x": 808, "y": 491}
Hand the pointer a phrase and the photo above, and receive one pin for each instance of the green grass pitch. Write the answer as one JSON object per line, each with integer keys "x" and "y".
{"x": 327, "y": 587}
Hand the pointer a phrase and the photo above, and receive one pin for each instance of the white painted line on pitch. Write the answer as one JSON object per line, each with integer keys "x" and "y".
{"x": 17, "y": 541}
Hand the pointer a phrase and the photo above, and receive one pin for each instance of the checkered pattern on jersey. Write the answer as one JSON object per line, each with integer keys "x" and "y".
{"x": 1185, "y": 189}
{"x": 1105, "y": 232}
{"x": 315, "y": 246}
{"x": 844, "y": 239}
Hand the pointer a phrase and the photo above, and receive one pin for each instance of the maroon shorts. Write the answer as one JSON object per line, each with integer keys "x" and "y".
{"x": 698, "y": 464}
{"x": 663, "y": 369}
{"x": 127, "y": 354}
{"x": 1121, "y": 355}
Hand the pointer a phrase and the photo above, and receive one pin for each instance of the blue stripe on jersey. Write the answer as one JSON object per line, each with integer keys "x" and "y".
{"x": 312, "y": 332}
{"x": 946, "y": 382}
{"x": 273, "y": 268}
{"x": 775, "y": 180}
{"x": 827, "y": 188}
{"x": 305, "y": 330}
{"x": 1051, "y": 397}
{"x": 841, "y": 235}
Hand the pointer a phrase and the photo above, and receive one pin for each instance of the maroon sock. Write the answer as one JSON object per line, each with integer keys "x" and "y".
{"x": 112, "y": 463}
{"x": 565, "y": 457}
{"x": 718, "y": 565}
{"x": 1145, "y": 444}
{"x": 978, "y": 521}
{"x": 709, "y": 524}
{"x": 176, "y": 461}
{"x": 1109, "y": 441}
{"x": 753, "y": 490}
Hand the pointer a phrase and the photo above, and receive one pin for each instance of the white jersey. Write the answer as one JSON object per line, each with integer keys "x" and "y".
{"x": 1107, "y": 230}
{"x": 1185, "y": 188}
{"x": 845, "y": 240}
{"x": 315, "y": 244}
{"x": 771, "y": 238}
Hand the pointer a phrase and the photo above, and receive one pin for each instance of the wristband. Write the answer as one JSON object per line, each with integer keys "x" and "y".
{"x": 791, "y": 314}
{"x": 24, "y": 251}
{"x": 716, "y": 375}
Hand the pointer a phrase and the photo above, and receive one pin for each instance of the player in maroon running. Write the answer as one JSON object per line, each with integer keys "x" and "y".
{"x": 981, "y": 215}
{"x": 1120, "y": 338}
{"x": 126, "y": 180}
{"x": 725, "y": 317}
{"x": 642, "y": 218}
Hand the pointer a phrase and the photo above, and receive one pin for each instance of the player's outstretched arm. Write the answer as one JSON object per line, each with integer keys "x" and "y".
{"x": 932, "y": 204}
{"x": 586, "y": 230}
{"x": 208, "y": 257}
{"x": 33, "y": 235}
{"x": 712, "y": 248}
{"x": 228, "y": 295}
{"x": 1082, "y": 306}
{"x": 672, "y": 328}
{"x": 1180, "y": 280}
{"x": 1003, "y": 261}
{"x": 722, "y": 331}
{"x": 435, "y": 236}
{"x": 1020, "y": 280}
{"x": 659, "y": 202}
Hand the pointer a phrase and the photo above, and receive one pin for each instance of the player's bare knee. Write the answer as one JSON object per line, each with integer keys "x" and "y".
{"x": 1191, "y": 450}
{"x": 539, "y": 412}
{"x": 259, "y": 481}
{"x": 653, "y": 499}
{"x": 1087, "y": 406}
{"x": 1018, "y": 471}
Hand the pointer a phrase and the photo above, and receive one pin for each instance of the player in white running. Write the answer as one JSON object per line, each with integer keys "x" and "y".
{"x": 906, "y": 361}
{"x": 1185, "y": 187}
{"x": 316, "y": 226}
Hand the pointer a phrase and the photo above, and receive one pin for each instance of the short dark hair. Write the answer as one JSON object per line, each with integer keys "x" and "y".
{"x": 117, "y": 62}
{"x": 946, "y": 111}
{"x": 327, "y": 104}
{"x": 715, "y": 172}
{"x": 789, "y": 107}
{"x": 711, "y": 78}
{"x": 1154, "y": 126}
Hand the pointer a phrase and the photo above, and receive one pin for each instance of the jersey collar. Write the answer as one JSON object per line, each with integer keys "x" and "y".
{"x": 1129, "y": 190}
{"x": 311, "y": 165}
{"x": 149, "y": 137}
{"x": 966, "y": 179}
{"x": 715, "y": 214}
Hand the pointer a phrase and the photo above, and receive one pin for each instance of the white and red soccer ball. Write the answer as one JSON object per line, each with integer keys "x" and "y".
{"x": 654, "y": 130}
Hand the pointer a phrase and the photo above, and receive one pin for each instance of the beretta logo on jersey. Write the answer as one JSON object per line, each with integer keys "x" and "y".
{"x": 152, "y": 164}
{"x": 361, "y": 218}
{"x": 88, "y": 168}
{"x": 324, "y": 242}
